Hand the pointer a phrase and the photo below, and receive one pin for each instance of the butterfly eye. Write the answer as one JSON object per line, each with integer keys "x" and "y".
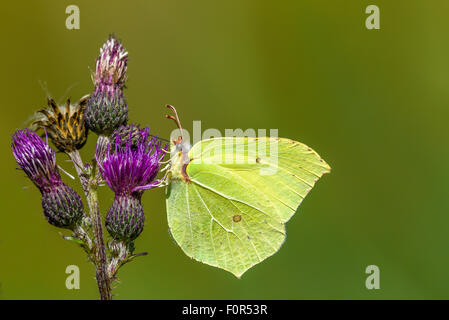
{"x": 185, "y": 147}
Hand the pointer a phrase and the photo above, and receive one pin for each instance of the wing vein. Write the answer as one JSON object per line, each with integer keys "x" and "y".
{"x": 190, "y": 217}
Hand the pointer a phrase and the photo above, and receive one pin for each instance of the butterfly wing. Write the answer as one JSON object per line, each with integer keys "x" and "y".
{"x": 230, "y": 211}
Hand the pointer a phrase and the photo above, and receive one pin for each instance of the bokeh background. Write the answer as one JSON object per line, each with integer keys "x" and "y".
{"x": 374, "y": 104}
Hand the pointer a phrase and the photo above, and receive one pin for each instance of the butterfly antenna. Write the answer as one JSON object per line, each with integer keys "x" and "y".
{"x": 175, "y": 118}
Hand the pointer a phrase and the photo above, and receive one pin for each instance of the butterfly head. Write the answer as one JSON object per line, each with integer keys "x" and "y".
{"x": 179, "y": 151}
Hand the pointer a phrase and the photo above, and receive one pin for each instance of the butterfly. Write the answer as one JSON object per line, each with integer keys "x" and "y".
{"x": 228, "y": 199}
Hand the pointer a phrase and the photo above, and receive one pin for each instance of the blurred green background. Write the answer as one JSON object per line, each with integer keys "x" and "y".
{"x": 373, "y": 103}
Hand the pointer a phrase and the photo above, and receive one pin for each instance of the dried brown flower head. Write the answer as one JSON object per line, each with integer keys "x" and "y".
{"x": 64, "y": 124}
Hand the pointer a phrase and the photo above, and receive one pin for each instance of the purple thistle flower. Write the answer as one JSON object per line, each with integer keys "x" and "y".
{"x": 35, "y": 158}
{"x": 106, "y": 108}
{"x": 133, "y": 164}
{"x": 62, "y": 205}
{"x": 129, "y": 169}
{"x": 111, "y": 64}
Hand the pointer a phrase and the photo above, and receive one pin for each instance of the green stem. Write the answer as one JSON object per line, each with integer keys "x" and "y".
{"x": 90, "y": 186}
{"x": 103, "y": 281}
{"x": 78, "y": 164}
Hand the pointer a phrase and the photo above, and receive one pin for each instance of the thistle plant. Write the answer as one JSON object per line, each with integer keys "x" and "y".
{"x": 127, "y": 159}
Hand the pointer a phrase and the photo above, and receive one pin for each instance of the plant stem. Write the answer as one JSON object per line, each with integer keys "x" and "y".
{"x": 103, "y": 281}
{"x": 99, "y": 251}
{"x": 78, "y": 164}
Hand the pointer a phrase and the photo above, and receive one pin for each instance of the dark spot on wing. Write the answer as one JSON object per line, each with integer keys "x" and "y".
{"x": 237, "y": 218}
{"x": 258, "y": 160}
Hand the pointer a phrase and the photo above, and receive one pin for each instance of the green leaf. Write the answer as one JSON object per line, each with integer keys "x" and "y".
{"x": 73, "y": 239}
{"x": 228, "y": 206}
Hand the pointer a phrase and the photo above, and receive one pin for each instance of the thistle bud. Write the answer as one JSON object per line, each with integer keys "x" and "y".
{"x": 64, "y": 124}
{"x": 129, "y": 169}
{"x": 62, "y": 206}
{"x": 107, "y": 108}
{"x": 129, "y": 133}
{"x": 125, "y": 218}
